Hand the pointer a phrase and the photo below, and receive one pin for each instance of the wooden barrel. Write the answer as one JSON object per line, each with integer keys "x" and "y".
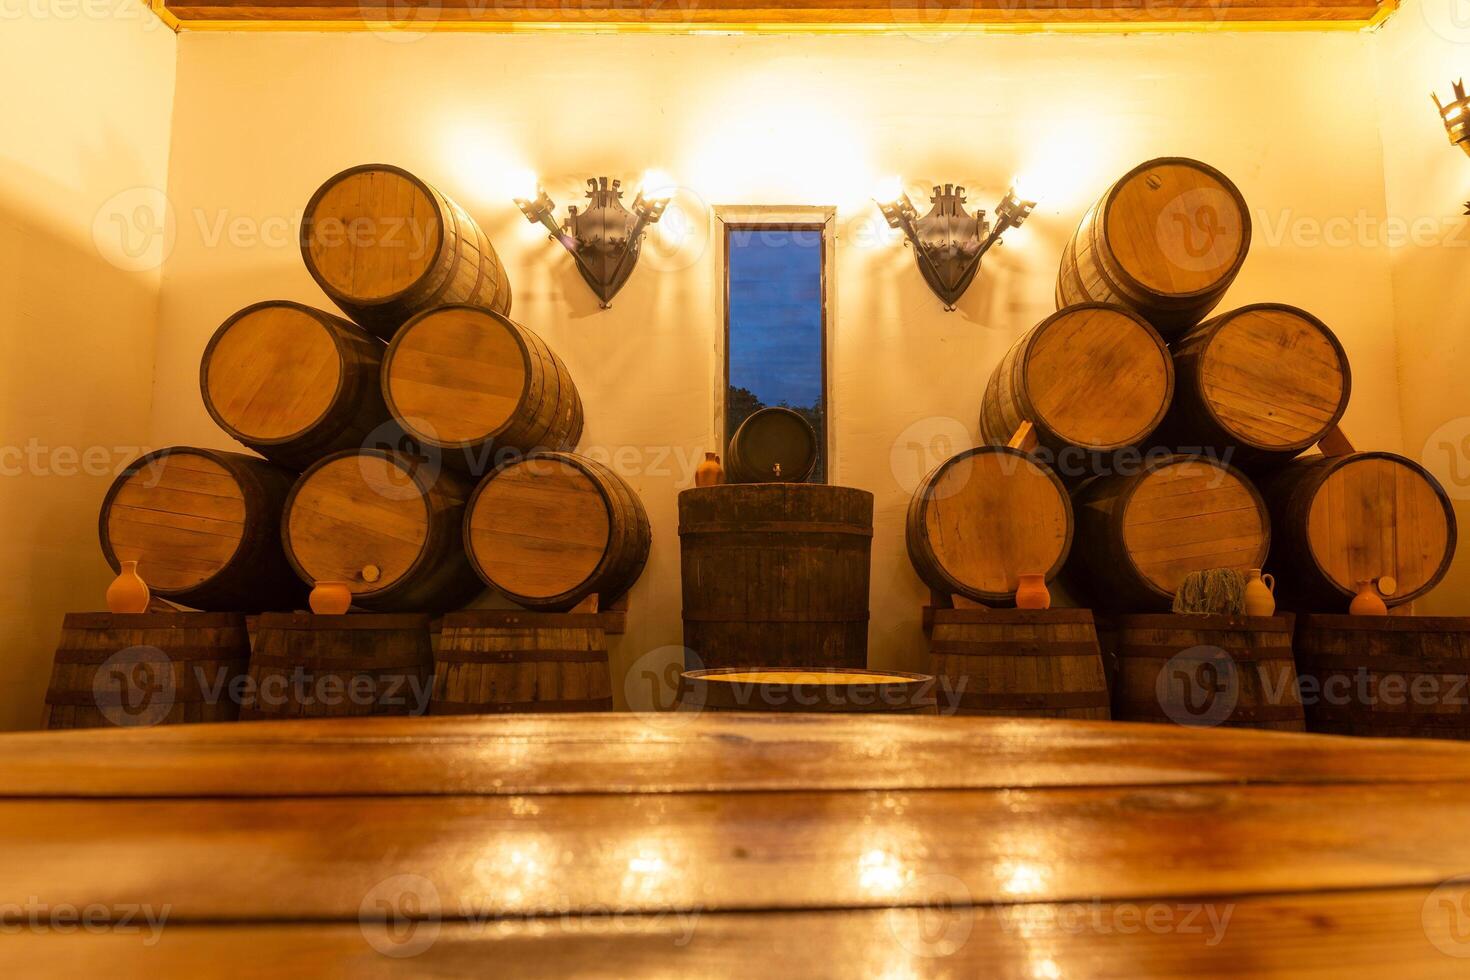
{"x": 388, "y": 525}
{"x": 1139, "y": 534}
{"x": 147, "y": 669}
{"x": 1166, "y": 240}
{"x": 775, "y": 575}
{"x": 306, "y": 666}
{"x": 1386, "y": 676}
{"x": 1204, "y": 671}
{"x": 817, "y": 691}
{"x": 772, "y": 445}
{"x": 385, "y": 245}
{"x": 293, "y": 383}
{"x": 204, "y": 528}
{"x": 1263, "y": 382}
{"x": 550, "y": 529}
{"x": 1340, "y": 520}
{"x": 985, "y": 517}
{"x": 1018, "y": 662}
{"x": 491, "y": 662}
{"x": 480, "y": 388}
{"x": 1092, "y": 376}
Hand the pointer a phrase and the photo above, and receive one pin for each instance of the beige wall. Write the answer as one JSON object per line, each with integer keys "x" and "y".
{"x": 85, "y": 124}
{"x": 260, "y": 120}
{"x": 1424, "y": 49}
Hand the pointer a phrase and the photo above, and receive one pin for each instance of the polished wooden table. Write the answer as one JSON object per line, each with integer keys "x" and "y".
{"x": 625, "y": 845}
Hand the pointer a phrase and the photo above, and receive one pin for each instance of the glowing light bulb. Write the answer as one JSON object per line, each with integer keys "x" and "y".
{"x": 657, "y": 186}
{"x": 523, "y": 184}
{"x": 1026, "y": 187}
{"x": 888, "y": 189}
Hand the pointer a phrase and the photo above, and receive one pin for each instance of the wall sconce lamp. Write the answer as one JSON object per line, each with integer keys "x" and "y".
{"x": 949, "y": 243}
{"x": 1456, "y": 119}
{"x": 604, "y": 238}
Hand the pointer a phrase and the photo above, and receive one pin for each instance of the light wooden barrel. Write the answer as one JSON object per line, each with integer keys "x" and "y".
{"x": 1139, "y": 535}
{"x": 775, "y": 575}
{"x": 479, "y": 387}
{"x": 815, "y": 691}
{"x": 205, "y": 529}
{"x": 388, "y": 525}
{"x": 1092, "y": 376}
{"x": 1018, "y": 662}
{"x": 1340, "y": 520}
{"x": 146, "y": 669}
{"x": 385, "y": 245}
{"x": 1166, "y": 240}
{"x": 293, "y": 383}
{"x": 983, "y": 518}
{"x": 551, "y": 529}
{"x": 306, "y": 666}
{"x": 492, "y": 662}
{"x": 1263, "y": 382}
{"x": 1235, "y": 671}
{"x": 1386, "y": 676}
{"x": 772, "y": 445}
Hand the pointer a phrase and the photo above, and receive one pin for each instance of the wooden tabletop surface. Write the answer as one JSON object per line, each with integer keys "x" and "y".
{"x": 620, "y": 845}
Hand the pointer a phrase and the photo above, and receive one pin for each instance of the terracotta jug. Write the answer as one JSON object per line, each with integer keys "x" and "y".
{"x": 128, "y": 593}
{"x": 1260, "y": 594}
{"x": 1368, "y": 602}
{"x": 1032, "y": 593}
{"x": 330, "y": 598}
{"x": 709, "y": 473}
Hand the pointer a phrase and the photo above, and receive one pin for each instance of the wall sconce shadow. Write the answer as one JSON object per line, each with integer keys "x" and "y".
{"x": 1456, "y": 118}
{"x": 948, "y": 242}
{"x": 604, "y": 238}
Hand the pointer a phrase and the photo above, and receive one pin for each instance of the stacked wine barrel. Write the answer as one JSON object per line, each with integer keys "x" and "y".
{"x": 417, "y": 445}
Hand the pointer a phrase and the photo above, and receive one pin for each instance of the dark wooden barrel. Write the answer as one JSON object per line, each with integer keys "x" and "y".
{"x": 1018, "y": 662}
{"x": 387, "y": 524}
{"x": 1064, "y": 371}
{"x": 1340, "y": 520}
{"x": 775, "y": 575}
{"x": 1204, "y": 671}
{"x": 1386, "y": 676}
{"x": 205, "y": 529}
{"x": 772, "y": 445}
{"x": 480, "y": 388}
{"x": 146, "y": 669}
{"x": 492, "y": 662}
{"x": 813, "y": 691}
{"x": 1166, "y": 240}
{"x": 1140, "y": 534}
{"x": 294, "y": 383}
{"x": 306, "y": 666}
{"x": 550, "y": 529}
{"x": 385, "y": 245}
{"x": 985, "y": 517}
{"x": 1262, "y": 383}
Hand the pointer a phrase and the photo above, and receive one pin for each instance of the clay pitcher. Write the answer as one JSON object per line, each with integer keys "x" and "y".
{"x": 1368, "y": 602}
{"x": 1260, "y": 594}
{"x": 709, "y": 473}
{"x": 128, "y": 593}
{"x": 1032, "y": 592}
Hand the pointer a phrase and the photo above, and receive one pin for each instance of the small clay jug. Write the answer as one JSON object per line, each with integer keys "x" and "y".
{"x": 1368, "y": 602}
{"x": 1032, "y": 592}
{"x": 1260, "y": 594}
{"x": 330, "y": 598}
{"x": 128, "y": 593}
{"x": 709, "y": 473}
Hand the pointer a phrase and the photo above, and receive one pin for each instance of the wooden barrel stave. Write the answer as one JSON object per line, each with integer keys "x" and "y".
{"x": 204, "y": 527}
{"x": 294, "y": 383}
{"x": 819, "y": 691}
{"x": 1386, "y": 677}
{"x": 479, "y": 388}
{"x": 306, "y": 666}
{"x": 357, "y": 515}
{"x": 385, "y": 245}
{"x": 984, "y": 517}
{"x": 491, "y": 662}
{"x": 775, "y": 575}
{"x": 1231, "y": 671}
{"x": 159, "y": 669}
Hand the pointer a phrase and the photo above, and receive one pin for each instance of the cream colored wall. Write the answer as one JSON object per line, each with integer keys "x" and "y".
{"x": 1421, "y": 50}
{"x": 85, "y": 123}
{"x": 260, "y": 120}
